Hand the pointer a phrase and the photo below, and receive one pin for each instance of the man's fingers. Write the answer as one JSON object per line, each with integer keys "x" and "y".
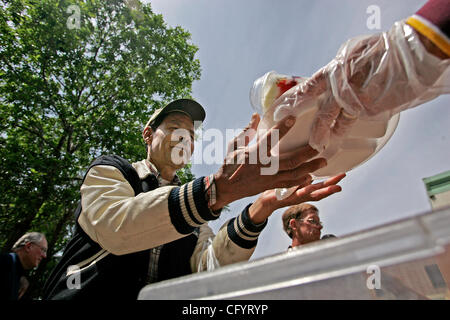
{"x": 324, "y": 186}
{"x": 305, "y": 181}
{"x": 314, "y": 193}
{"x": 246, "y": 135}
{"x": 293, "y": 159}
{"x": 317, "y": 84}
{"x": 276, "y": 133}
{"x": 334, "y": 180}
{"x": 324, "y": 192}
{"x": 284, "y": 126}
{"x": 290, "y": 177}
{"x": 306, "y": 191}
{"x": 323, "y": 122}
{"x": 343, "y": 124}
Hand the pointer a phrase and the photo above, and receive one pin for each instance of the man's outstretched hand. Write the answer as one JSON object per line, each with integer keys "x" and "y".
{"x": 244, "y": 172}
{"x": 267, "y": 203}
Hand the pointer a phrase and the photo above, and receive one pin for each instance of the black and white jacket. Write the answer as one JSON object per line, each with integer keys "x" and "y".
{"x": 124, "y": 212}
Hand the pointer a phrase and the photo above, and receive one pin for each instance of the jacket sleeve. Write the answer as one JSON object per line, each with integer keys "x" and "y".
{"x": 235, "y": 242}
{"x": 121, "y": 222}
{"x": 433, "y": 22}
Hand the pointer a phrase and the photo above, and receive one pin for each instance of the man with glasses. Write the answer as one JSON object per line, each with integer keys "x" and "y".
{"x": 302, "y": 224}
{"x": 26, "y": 254}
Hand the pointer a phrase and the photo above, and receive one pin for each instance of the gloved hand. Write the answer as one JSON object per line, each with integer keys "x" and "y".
{"x": 371, "y": 77}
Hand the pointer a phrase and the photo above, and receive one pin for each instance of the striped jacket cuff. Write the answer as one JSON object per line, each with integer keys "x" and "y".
{"x": 243, "y": 232}
{"x": 188, "y": 206}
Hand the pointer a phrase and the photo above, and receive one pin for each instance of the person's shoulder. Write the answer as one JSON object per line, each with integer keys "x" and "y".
{"x": 119, "y": 164}
{"x": 122, "y": 164}
{"x": 113, "y": 160}
{"x": 5, "y": 255}
{"x": 5, "y": 260}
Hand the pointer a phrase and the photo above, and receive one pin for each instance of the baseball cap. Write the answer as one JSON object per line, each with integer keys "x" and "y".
{"x": 190, "y": 107}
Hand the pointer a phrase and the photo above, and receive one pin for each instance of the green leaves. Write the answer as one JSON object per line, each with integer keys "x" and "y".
{"x": 77, "y": 79}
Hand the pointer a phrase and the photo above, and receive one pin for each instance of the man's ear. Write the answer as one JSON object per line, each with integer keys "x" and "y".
{"x": 27, "y": 246}
{"x": 292, "y": 224}
{"x": 147, "y": 135}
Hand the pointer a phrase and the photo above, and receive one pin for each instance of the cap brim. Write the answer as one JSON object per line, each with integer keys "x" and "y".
{"x": 187, "y": 106}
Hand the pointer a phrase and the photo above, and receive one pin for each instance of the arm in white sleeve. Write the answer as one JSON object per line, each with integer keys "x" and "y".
{"x": 121, "y": 222}
{"x": 235, "y": 242}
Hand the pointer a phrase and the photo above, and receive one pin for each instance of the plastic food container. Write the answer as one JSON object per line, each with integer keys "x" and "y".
{"x": 343, "y": 154}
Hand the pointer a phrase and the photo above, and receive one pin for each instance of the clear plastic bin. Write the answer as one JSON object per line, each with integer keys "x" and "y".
{"x": 408, "y": 259}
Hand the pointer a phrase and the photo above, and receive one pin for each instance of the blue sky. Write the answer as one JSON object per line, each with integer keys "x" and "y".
{"x": 240, "y": 41}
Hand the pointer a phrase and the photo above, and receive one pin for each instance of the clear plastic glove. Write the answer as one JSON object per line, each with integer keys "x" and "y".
{"x": 372, "y": 77}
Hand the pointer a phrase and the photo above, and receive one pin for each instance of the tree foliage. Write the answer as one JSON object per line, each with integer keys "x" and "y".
{"x": 77, "y": 79}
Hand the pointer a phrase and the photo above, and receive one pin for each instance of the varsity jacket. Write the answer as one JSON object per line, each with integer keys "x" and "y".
{"x": 124, "y": 216}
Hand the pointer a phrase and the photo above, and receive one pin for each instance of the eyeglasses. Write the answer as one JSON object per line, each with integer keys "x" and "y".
{"x": 312, "y": 221}
{"x": 43, "y": 250}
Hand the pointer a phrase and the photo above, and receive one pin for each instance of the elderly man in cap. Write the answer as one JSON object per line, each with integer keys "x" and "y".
{"x": 136, "y": 224}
